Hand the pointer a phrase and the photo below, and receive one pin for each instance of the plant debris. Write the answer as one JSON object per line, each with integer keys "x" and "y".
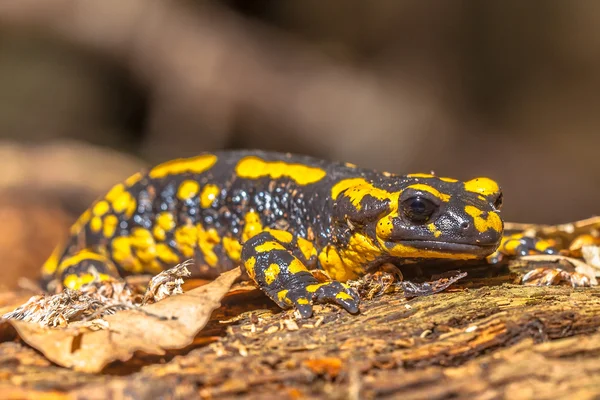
{"x": 578, "y": 261}
{"x": 412, "y": 289}
{"x": 97, "y": 299}
{"x": 89, "y": 346}
{"x": 423, "y": 346}
{"x": 555, "y": 269}
{"x": 167, "y": 283}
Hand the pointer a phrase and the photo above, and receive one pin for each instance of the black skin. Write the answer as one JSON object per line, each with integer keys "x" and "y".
{"x": 308, "y": 212}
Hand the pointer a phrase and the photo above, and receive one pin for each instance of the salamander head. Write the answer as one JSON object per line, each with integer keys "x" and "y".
{"x": 421, "y": 216}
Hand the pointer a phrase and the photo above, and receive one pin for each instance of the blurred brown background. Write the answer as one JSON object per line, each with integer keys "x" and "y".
{"x": 507, "y": 89}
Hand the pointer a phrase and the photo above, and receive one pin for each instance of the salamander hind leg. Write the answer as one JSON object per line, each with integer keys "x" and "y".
{"x": 270, "y": 262}
{"x": 84, "y": 267}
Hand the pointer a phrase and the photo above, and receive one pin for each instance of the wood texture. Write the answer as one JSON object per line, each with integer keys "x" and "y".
{"x": 484, "y": 340}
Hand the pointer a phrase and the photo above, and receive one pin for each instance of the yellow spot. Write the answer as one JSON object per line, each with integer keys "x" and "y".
{"x": 344, "y": 185}
{"x": 483, "y": 186}
{"x": 115, "y": 192}
{"x": 434, "y": 229}
{"x": 232, "y": 247}
{"x": 334, "y": 266}
{"x": 166, "y": 221}
{"x": 146, "y": 255}
{"x": 302, "y": 301}
{"x": 282, "y": 296}
{"x": 188, "y": 189}
{"x": 122, "y": 254}
{"x": 194, "y": 165}
{"x": 357, "y": 188}
{"x": 81, "y": 221}
{"x": 186, "y": 238}
{"x": 208, "y": 196}
{"x": 137, "y": 252}
{"x": 350, "y": 165}
{"x": 343, "y": 296}
{"x": 451, "y": 180}
{"x": 429, "y": 189}
{"x": 141, "y": 238}
{"x": 314, "y": 288}
{"x": 307, "y": 248}
{"x": 78, "y": 258}
{"x": 482, "y": 224}
{"x": 166, "y": 254}
{"x": 360, "y": 251}
{"x": 542, "y": 245}
{"x": 296, "y": 266}
{"x": 75, "y": 282}
{"x": 124, "y": 203}
{"x": 121, "y": 249}
{"x": 252, "y": 225}
{"x": 271, "y": 273}
{"x": 133, "y": 179}
{"x": 385, "y": 226}
{"x": 420, "y": 176}
{"x": 253, "y": 167}
{"x": 282, "y": 236}
{"x": 249, "y": 264}
{"x": 268, "y": 246}
{"x": 101, "y": 208}
{"x": 51, "y": 264}
{"x": 509, "y": 244}
{"x": 96, "y": 224}
{"x": 110, "y": 225}
{"x": 159, "y": 233}
{"x": 207, "y": 239}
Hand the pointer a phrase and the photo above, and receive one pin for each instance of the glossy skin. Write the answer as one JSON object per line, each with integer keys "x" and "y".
{"x": 281, "y": 217}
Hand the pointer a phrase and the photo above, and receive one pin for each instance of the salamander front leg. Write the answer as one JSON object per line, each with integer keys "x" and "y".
{"x": 270, "y": 261}
{"x": 520, "y": 244}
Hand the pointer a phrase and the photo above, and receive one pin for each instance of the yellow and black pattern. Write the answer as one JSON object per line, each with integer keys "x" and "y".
{"x": 281, "y": 216}
{"x": 270, "y": 261}
{"x": 521, "y": 244}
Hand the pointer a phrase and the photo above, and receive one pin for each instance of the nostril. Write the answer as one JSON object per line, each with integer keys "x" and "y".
{"x": 465, "y": 225}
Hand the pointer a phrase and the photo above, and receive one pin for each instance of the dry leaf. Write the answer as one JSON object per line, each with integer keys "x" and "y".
{"x": 568, "y": 269}
{"x": 579, "y": 266}
{"x": 169, "y": 324}
{"x": 591, "y": 255}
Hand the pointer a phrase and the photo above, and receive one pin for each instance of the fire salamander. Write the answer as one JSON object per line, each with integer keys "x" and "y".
{"x": 282, "y": 217}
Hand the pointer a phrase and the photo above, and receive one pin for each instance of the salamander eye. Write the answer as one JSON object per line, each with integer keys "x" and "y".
{"x": 498, "y": 201}
{"x": 418, "y": 209}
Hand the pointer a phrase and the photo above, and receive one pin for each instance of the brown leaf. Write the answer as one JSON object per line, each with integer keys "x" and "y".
{"x": 591, "y": 255}
{"x": 580, "y": 266}
{"x": 169, "y": 324}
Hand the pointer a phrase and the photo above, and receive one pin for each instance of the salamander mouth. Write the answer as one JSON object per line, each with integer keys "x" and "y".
{"x": 480, "y": 250}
